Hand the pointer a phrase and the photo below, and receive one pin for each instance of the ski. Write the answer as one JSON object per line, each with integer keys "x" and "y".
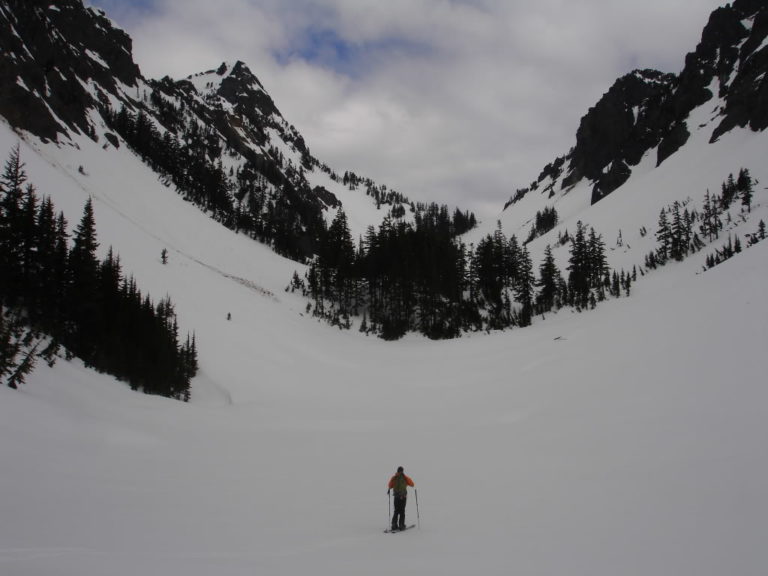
{"x": 390, "y": 531}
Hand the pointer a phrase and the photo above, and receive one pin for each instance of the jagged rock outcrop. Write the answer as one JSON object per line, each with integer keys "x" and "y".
{"x": 647, "y": 110}
{"x": 747, "y": 93}
{"x": 617, "y": 131}
{"x": 56, "y": 59}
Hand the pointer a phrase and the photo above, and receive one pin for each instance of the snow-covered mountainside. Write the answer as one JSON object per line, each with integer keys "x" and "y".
{"x": 217, "y": 136}
{"x": 624, "y": 440}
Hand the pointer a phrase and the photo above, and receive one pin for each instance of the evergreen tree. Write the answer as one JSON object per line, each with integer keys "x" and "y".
{"x": 82, "y": 306}
{"x": 549, "y": 282}
{"x": 597, "y": 262}
{"x": 42, "y": 299}
{"x": 677, "y": 234}
{"x": 59, "y": 276}
{"x": 728, "y": 193}
{"x": 687, "y": 232}
{"x": 710, "y": 224}
{"x": 663, "y": 237}
{"x": 744, "y": 185}
{"x": 12, "y": 227}
{"x": 18, "y": 348}
{"x": 579, "y": 268}
{"x": 511, "y": 257}
{"x": 524, "y": 287}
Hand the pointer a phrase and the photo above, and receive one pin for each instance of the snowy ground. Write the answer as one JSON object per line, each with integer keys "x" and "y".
{"x": 629, "y": 440}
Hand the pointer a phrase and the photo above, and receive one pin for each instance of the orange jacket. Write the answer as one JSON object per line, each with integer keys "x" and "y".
{"x": 408, "y": 481}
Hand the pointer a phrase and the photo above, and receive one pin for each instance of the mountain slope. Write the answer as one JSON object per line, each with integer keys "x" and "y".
{"x": 217, "y": 137}
{"x": 655, "y": 139}
{"x": 648, "y": 113}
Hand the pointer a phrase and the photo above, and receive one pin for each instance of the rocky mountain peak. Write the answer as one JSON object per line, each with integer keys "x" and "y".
{"x": 647, "y": 109}
{"x": 241, "y": 88}
{"x": 619, "y": 129}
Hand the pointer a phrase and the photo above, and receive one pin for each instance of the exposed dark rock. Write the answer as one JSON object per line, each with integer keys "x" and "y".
{"x": 674, "y": 140}
{"x": 620, "y": 128}
{"x": 326, "y": 196}
{"x": 112, "y": 139}
{"x": 243, "y": 90}
{"x": 616, "y": 176}
{"x": 48, "y": 52}
{"x": 747, "y": 101}
{"x": 647, "y": 109}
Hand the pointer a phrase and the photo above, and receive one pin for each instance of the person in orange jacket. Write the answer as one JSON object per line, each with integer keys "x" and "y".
{"x": 399, "y": 485}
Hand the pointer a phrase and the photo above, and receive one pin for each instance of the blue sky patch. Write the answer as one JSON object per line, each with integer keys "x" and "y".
{"x": 325, "y": 48}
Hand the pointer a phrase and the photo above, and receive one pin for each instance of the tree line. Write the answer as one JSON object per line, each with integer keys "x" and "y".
{"x": 421, "y": 277}
{"x": 55, "y": 293}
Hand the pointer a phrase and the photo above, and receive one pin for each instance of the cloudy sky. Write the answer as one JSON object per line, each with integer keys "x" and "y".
{"x": 454, "y": 101}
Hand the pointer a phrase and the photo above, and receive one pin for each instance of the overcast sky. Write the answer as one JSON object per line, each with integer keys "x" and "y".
{"x": 454, "y": 101}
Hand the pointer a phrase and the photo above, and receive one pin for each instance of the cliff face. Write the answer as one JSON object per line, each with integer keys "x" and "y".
{"x": 647, "y": 110}
{"x": 58, "y": 60}
{"x": 626, "y": 122}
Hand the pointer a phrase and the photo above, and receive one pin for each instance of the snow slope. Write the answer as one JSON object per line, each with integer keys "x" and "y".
{"x": 628, "y": 440}
{"x": 697, "y": 168}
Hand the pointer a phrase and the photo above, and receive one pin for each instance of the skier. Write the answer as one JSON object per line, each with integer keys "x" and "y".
{"x": 399, "y": 485}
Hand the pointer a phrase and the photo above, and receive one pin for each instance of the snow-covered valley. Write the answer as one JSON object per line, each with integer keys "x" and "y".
{"x": 625, "y": 440}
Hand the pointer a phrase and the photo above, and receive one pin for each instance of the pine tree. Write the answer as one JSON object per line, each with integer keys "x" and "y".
{"x": 663, "y": 237}
{"x": 11, "y": 228}
{"x": 597, "y": 262}
{"x": 677, "y": 234}
{"x": 687, "y": 239}
{"x": 60, "y": 278}
{"x": 524, "y": 287}
{"x": 711, "y": 223}
{"x": 28, "y": 250}
{"x": 744, "y": 185}
{"x": 511, "y": 258}
{"x": 579, "y": 268}
{"x": 82, "y": 289}
{"x": 43, "y": 306}
{"x": 729, "y": 191}
{"x": 549, "y": 282}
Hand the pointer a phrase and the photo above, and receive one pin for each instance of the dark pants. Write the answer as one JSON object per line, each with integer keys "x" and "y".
{"x": 398, "y": 520}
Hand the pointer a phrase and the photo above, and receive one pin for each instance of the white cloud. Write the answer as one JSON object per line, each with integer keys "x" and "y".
{"x": 446, "y": 100}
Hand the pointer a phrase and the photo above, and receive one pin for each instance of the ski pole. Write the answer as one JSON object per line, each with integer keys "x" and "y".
{"x": 389, "y": 508}
{"x": 418, "y": 516}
